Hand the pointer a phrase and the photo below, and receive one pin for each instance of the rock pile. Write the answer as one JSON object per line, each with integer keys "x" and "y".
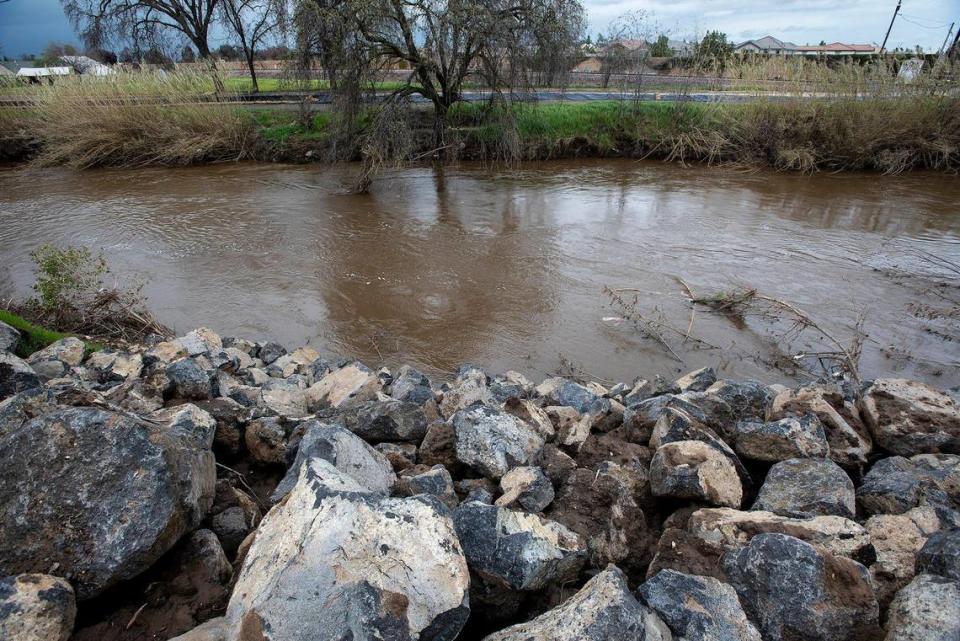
{"x": 219, "y": 489}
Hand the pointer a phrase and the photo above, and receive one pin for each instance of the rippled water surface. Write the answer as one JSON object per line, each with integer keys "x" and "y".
{"x": 507, "y": 269}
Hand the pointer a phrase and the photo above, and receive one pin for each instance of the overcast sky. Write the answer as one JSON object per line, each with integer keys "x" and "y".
{"x": 27, "y": 25}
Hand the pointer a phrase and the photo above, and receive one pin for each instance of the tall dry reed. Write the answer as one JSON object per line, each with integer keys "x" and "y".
{"x": 131, "y": 120}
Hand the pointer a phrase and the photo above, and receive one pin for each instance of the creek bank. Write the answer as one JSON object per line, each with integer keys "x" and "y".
{"x": 216, "y": 489}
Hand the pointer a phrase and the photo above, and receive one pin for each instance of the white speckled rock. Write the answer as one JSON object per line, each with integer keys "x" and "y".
{"x": 469, "y": 388}
{"x": 695, "y": 470}
{"x": 347, "y": 452}
{"x": 517, "y": 550}
{"x": 928, "y": 609}
{"x": 335, "y": 561}
{"x": 734, "y": 528}
{"x": 908, "y": 417}
{"x": 36, "y": 607}
{"x": 492, "y": 441}
{"x": 603, "y": 610}
{"x": 352, "y": 383}
{"x": 849, "y": 438}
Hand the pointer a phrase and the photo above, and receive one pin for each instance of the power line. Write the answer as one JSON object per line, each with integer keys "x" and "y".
{"x": 922, "y": 26}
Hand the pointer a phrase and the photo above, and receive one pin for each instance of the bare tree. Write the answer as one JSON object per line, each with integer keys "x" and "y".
{"x": 143, "y": 21}
{"x": 252, "y": 22}
{"x": 443, "y": 41}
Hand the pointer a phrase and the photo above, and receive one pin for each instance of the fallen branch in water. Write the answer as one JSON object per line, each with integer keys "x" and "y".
{"x": 652, "y": 328}
{"x": 741, "y": 302}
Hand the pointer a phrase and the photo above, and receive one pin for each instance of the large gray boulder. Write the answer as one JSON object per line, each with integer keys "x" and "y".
{"x": 697, "y": 607}
{"x": 16, "y": 375}
{"x": 347, "y": 452}
{"x": 941, "y": 554}
{"x": 386, "y": 420}
{"x": 849, "y": 438}
{"x": 517, "y": 550}
{"x": 603, "y": 610}
{"x": 896, "y": 484}
{"x": 470, "y": 387}
{"x": 694, "y": 470}
{"x": 411, "y": 386}
{"x": 794, "y": 592}
{"x": 56, "y": 359}
{"x": 36, "y": 607}
{"x": 807, "y": 487}
{"x": 907, "y": 417}
{"x": 99, "y": 495}
{"x": 790, "y": 437}
{"x": 336, "y": 561}
{"x": 9, "y": 338}
{"x": 564, "y": 392}
{"x": 493, "y": 442}
{"x": 187, "y": 379}
{"x": 928, "y": 609}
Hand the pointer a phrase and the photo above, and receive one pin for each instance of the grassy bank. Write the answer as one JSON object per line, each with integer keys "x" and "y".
{"x": 32, "y": 337}
{"x": 157, "y": 121}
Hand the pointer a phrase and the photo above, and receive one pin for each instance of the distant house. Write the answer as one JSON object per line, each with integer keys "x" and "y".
{"x": 36, "y": 75}
{"x": 682, "y": 48}
{"x": 592, "y": 63}
{"x": 838, "y": 49}
{"x": 86, "y": 66}
{"x": 626, "y": 45}
{"x": 767, "y": 45}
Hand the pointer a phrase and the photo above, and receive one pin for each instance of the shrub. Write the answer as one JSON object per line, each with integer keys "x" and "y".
{"x": 71, "y": 297}
{"x": 66, "y": 277}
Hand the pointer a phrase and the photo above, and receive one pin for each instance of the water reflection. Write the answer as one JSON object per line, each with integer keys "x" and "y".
{"x": 504, "y": 268}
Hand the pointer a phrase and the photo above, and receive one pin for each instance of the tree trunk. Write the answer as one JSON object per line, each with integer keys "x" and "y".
{"x": 253, "y": 72}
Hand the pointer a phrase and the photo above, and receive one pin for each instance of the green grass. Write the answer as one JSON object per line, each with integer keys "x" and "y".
{"x": 32, "y": 338}
{"x": 281, "y": 127}
{"x": 602, "y": 124}
{"x": 267, "y": 85}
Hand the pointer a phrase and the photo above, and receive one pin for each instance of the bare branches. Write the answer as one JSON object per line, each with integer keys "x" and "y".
{"x": 142, "y": 21}
{"x": 653, "y": 327}
{"x": 744, "y": 301}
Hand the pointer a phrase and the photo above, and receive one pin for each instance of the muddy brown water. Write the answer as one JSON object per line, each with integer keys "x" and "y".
{"x": 507, "y": 269}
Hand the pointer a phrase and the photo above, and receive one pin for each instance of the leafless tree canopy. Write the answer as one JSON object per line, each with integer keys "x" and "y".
{"x": 251, "y": 22}
{"x": 443, "y": 41}
{"x": 143, "y": 22}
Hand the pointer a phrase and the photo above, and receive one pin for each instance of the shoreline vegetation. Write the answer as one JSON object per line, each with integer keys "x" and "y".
{"x": 855, "y": 122}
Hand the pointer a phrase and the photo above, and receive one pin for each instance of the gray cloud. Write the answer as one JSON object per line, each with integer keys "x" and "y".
{"x": 27, "y": 25}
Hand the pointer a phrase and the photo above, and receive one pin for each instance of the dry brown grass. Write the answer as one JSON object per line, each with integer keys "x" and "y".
{"x": 137, "y": 120}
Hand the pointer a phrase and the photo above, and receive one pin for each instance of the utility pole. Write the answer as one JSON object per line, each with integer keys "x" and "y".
{"x": 895, "y": 12}
{"x": 943, "y": 47}
{"x": 953, "y": 48}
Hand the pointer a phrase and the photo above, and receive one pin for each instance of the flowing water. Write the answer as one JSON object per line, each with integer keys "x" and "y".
{"x": 507, "y": 269}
